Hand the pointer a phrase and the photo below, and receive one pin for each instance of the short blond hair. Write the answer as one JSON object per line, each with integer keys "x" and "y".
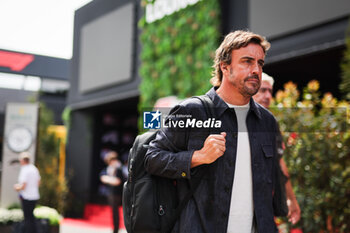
{"x": 25, "y": 156}
{"x": 232, "y": 41}
{"x": 267, "y": 78}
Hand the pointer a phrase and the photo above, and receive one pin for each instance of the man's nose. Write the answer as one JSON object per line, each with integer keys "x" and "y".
{"x": 256, "y": 69}
{"x": 268, "y": 94}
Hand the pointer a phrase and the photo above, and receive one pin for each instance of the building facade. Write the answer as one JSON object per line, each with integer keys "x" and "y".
{"x": 307, "y": 38}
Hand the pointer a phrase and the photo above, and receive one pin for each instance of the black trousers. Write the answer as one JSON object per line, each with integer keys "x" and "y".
{"x": 29, "y": 219}
{"x": 115, "y": 201}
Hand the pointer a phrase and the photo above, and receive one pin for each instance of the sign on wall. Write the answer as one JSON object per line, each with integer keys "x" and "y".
{"x": 160, "y": 8}
{"x": 106, "y": 50}
{"x": 20, "y": 135}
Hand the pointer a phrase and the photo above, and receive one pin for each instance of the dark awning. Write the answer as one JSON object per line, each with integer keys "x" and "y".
{"x": 308, "y": 41}
{"x": 36, "y": 65}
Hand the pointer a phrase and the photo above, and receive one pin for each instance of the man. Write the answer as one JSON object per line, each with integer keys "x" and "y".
{"x": 112, "y": 177}
{"x": 236, "y": 193}
{"x": 264, "y": 97}
{"x": 28, "y": 188}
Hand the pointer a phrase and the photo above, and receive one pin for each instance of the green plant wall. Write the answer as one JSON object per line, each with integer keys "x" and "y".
{"x": 345, "y": 67}
{"x": 178, "y": 51}
{"x": 53, "y": 191}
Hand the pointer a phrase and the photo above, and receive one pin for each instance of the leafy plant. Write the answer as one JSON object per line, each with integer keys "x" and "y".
{"x": 177, "y": 53}
{"x": 317, "y": 152}
{"x": 345, "y": 67}
{"x": 8, "y": 216}
{"x": 51, "y": 214}
{"x": 53, "y": 190}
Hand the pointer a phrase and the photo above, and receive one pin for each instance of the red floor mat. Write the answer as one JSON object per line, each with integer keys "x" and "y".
{"x": 97, "y": 216}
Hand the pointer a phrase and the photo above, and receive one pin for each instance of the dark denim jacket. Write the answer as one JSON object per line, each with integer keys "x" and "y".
{"x": 170, "y": 155}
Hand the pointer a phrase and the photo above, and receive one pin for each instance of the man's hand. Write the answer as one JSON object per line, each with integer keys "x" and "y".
{"x": 293, "y": 211}
{"x": 110, "y": 180}
{"x": 19, "y": 187}
{"x": 214, "y": 147}
{"x": 292, "y": 203}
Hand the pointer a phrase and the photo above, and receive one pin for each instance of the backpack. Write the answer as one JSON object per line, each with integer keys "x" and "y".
{"x": 150, "y": 203}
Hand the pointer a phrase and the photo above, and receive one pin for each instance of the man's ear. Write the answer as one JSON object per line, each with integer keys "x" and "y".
{"x": 225, "y": 68}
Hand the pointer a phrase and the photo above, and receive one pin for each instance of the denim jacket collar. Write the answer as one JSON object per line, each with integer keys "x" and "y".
{"x": 221, "y": 106}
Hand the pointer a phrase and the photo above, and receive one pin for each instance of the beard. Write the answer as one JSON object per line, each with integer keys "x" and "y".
{"x": 252, "y": 88}
{"x": 246, "y": 89}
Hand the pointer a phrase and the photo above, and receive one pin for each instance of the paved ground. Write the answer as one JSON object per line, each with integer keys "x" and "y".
{"x": 73, "y": 228}
{"x": 97, "y": 219}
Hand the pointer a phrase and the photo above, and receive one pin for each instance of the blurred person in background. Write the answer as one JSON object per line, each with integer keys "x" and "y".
{"x": 28, "y": 189}
{"x": 264, "y": 97}
{"x": 112, "y": 177}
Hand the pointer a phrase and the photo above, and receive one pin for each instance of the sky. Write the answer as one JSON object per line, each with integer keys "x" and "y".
{"x": 43, "y": 27}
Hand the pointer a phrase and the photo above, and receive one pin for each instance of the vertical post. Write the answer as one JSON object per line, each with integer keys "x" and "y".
{"x": 20, "y": 134}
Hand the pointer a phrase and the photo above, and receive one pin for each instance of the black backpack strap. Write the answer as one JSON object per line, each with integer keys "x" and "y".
{"x": 208, "y": 106}
{"x": 209, "y": 109}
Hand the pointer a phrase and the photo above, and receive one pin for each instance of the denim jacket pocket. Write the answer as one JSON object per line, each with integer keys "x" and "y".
{"x": 268, "y": 161}
{"x": 268, "y": 151}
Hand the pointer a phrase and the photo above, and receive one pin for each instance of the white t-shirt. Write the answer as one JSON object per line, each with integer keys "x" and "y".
{"x": 242, "y": 207}
{"x": 29, "y": 175}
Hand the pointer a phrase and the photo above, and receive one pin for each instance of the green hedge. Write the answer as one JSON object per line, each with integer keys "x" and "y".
{"x": 317, "y": 139}
{"x": 53, "y": 191}
{"x": 177, "y": 53}
{"x": 345, "y": 66}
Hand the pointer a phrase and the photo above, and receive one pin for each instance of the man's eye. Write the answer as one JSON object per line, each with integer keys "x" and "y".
{"x": 263, "y": 90}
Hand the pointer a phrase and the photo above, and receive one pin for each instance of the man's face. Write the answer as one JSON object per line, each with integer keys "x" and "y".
{"x": 21, "y": 162}
{"x": 264, "y": 94}
{"x": 113, "y": 163}
{"x": 245, "y": 70}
